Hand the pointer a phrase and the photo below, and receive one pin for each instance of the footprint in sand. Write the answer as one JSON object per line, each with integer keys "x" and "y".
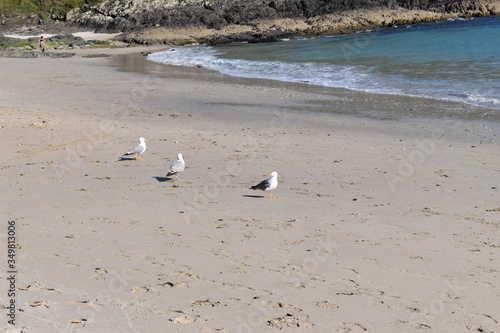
{"x": 487, "y": 318}
{"x": 60, "y": 256}
{"x": 288, "y": 320}
{"x": 139, "y": 290}
{"x": 169, "y": 284}
{"x": 419, "y": 326}
{"x": 327, "y": 305}
{"x": 184, "y": 319}
{"x": 279, "y": 305}
{"x": 236, "y": 270}
{"x": 99, "y": 272}
{"x": 36, "y": 304}
{"x": 207, "y": 303}
{"x": 37, "y": 288}
{"x": 349, "y": 328}
{"x": 87, "y": 303}
{"x": 156, "y": 264}
{"x": 70, "y": 265}
{"x": 477, "y": 328}
{"x": 406, "y": 309}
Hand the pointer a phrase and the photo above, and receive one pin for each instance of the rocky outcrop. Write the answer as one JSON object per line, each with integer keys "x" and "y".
{"x": 130, "y": 15}
{"x": 224, "y": 21}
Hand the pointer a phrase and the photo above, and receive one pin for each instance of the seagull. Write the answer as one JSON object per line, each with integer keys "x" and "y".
{"x": 137, "y": 150}
{"x": 177, "y": 166}
{"x": 268, "y": 185}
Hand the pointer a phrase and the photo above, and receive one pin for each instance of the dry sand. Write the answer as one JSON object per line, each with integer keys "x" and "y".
{"x": 383, "y": 222}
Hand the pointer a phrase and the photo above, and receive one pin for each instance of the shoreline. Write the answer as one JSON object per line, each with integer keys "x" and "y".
{"x": 403, "y": 104}
{"x": 379, "y": 225}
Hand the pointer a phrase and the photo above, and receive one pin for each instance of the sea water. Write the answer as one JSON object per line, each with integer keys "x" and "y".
{"x": 457, "y": 60}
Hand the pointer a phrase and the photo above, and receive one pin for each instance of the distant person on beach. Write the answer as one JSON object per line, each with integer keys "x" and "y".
{"x": 41, "y": 41}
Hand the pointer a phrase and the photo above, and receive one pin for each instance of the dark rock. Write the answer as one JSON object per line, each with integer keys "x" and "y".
{"x": 97, "y": 55}
{"x": 34, "y": 54}
{"x": 120, "y": 15}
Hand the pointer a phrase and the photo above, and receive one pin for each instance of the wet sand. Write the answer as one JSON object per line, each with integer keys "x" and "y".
{"x": 385, "y": 221}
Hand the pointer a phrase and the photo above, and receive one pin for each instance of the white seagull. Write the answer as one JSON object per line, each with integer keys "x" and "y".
{"x": 137, "y": 150}
{"x": 177, "y": 166}
{"x": 268, "y": 185}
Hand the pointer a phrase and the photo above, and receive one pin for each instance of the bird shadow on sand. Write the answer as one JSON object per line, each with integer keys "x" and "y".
{"x": 126, "y": 159}
{"x": 254, "y": 196}
{"x": 162, "y": 179}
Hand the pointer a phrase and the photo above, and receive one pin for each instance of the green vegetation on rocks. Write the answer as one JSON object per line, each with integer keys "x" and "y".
{"x": 53, "y": 9}
{"x": 30, "y": 44}
{"x": 58, "y": 42}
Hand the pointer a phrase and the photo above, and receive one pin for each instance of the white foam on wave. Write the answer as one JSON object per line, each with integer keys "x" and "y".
{"x": 484, "y": 100}
{"x": 312, "y": 73}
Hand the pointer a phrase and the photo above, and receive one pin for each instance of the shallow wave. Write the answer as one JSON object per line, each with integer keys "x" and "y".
{"x": 312, "y": 73}
{"x": 484, "y": 101}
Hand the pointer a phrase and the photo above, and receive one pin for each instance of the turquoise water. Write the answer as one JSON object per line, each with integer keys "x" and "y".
{"x": 455, "y": 60}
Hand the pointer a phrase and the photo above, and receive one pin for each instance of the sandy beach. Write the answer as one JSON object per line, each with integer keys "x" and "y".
{"x": 386, "y": 217}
